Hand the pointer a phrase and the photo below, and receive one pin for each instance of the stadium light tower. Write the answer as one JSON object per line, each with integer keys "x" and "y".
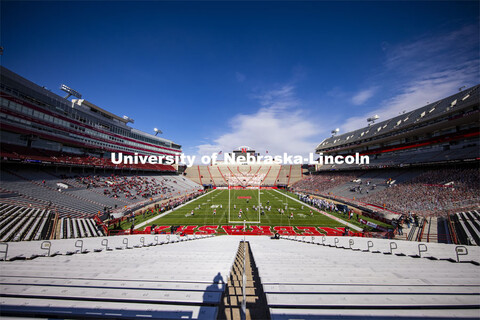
{"x": 334, "y": 132}
{"x": 371, "y": 120}
{"x": 157, "y": 131}
{"x": 70, "y": 92}
{"x": 128, "y": 119}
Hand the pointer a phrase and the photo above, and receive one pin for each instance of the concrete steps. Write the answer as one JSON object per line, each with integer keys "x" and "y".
{"x": 256, "y": 307}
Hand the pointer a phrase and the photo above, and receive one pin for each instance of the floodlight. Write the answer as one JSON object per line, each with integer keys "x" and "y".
{"x": 70, "y": 92}
{"x": 334, "y": 132}
{"x": 157, "y": 131}
{"x": 371, "y": 120}
{"x": 128, "y": 119}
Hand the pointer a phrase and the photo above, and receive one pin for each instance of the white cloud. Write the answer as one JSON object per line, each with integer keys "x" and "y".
{"x": 434, "y": 53}
{"x": 428, "y": 69}
{"x": 416, "y": 94}
{"x": 362, "y": 96}
{"x": 278, "y": 126}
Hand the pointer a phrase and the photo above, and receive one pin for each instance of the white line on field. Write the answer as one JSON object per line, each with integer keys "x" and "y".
{"x": 167, "y": 212}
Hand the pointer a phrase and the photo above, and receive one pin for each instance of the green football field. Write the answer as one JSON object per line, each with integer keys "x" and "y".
{"x": 242, "y": 199}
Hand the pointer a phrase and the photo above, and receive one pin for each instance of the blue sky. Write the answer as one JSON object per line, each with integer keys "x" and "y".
{"x": 275, "y": 76}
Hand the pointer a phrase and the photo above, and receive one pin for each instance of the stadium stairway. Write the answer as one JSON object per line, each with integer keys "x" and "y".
{"x": 415, "y": 233}
{"x": 256, "y": 305}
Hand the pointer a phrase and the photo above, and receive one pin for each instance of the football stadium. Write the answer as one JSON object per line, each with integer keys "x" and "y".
{"x": 104, "y": 219}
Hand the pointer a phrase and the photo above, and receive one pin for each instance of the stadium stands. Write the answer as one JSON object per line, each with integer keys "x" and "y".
{"x": 84, "y": 195}
{"x": 433, "y": 192}
{"x": 336, "y": 282}
{"x": 245, "y": 175}
{"x": 460, "y": 108}
{"x": 467, "y": 227}
{"x": 423, "y": 161}
{"x": 167, "y": 276}
{"x": 29, "y": 223}
{"x": 78, "y": 228}
{"x": 17, "y": 153}
{"x": 43, "y": 127}
{"x": 162, "y": 277}
{"x": 20, "y": 223}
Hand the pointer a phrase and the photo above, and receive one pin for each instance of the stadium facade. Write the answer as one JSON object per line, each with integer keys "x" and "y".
{"x": 40, "y": 126}
{"x": 444, "y": 131}
{"x": 57, "y": 177}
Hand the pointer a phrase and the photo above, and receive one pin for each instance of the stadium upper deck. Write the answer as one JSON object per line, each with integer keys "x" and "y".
{"x": 447, "y": 129}
{"x": 35, "y": 120}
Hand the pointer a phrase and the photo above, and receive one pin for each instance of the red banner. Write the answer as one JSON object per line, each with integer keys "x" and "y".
{"x": 253, "y": 230}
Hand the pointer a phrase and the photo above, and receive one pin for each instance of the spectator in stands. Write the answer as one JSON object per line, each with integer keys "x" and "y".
{"x": 433, "y": 192}
{"x": 400, "y": 228}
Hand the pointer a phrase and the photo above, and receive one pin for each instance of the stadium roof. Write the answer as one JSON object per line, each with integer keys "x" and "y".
{"x": 403, "y": 122}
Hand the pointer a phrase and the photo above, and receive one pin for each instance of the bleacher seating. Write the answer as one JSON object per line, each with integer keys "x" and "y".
{"x": 332, "y": 281}
{"x": 467, "y": 227}
{"x": 167, "y": 276}
{"x": 27, "y": 154}
{"x": 425, "y": 192}
{"x": 244, "y": 175}
{"x": 87, "y": 194}
{"x": 162, "y": 277}
{"x": 82, "y": 228}
{"x": 30, "y": 223}
{"x": 271, "y": 176}
{"x": 22, "y": 223}
{"x": 412, "y": 157}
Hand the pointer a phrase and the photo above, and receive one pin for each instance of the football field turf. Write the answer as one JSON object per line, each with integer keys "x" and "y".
{"x": 218, "y": 200}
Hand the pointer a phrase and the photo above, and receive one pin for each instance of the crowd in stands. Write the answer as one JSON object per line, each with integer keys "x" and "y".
{"x": 319, "y": 183}
{"x": 130, "y": 187}
{"x": 432, "y": 192}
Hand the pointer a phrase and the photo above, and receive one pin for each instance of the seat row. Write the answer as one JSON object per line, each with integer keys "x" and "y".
{"x": 162, "y": 276}
{"x": 333, "y": 278}
{"x": 21, "y": 223}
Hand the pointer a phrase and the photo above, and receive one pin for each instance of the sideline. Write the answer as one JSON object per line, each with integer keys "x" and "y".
{"x": 167, "y": 212}
{"x": 352, "y": 226}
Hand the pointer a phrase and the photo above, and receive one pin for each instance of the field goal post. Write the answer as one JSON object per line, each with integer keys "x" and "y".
{"x": 230, "y": 209}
